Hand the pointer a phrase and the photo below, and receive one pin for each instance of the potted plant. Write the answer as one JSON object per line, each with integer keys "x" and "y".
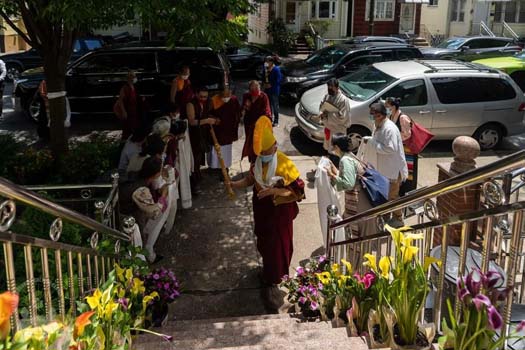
{"x": 165, "y": 284}
{"x": 481, "y": 297}
{"x": 407, "y": 292}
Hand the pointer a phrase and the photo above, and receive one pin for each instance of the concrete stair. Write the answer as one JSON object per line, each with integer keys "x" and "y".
{"x": 263, "y": 332}
{"x": 300, "y": 47}
{"x": 420, "y": 42}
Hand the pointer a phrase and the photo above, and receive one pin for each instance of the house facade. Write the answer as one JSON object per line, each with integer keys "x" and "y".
{"x": 11, "y": 41}
{"x": 347, "y": 18}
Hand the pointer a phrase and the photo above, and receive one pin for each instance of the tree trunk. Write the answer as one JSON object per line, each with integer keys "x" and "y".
{"x": 55, "y": 73}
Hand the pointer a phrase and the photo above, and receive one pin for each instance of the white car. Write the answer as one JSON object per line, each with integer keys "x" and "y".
{"x": 449, "y": 98}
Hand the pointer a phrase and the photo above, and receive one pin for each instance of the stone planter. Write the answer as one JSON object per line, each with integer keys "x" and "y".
{"x": 373, "y": 331}
{"x": 426, "y": 333}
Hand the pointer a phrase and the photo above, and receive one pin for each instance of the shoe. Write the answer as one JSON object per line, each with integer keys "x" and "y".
{"x": 275, "y": 125}
{"x": 310, "y": 176}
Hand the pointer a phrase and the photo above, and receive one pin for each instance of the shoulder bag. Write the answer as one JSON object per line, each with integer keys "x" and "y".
{"x": 375, "y": 184}
{"x": 419, "y": 139}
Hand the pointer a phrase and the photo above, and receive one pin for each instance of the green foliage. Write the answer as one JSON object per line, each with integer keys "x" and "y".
{"x": 283, "y": 38}
{"x": 320, "y": 27}
{"x": 309, "y": 41}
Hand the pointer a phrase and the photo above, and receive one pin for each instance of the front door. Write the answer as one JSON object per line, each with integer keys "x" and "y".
{"x": 407, "y": 20}
{"x": 291, "y": 16}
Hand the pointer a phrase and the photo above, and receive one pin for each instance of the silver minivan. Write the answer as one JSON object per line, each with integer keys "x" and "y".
{"x": 450, "y": 98}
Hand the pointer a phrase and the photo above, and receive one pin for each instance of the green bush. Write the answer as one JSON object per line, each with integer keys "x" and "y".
{"x": 283, "y": 38}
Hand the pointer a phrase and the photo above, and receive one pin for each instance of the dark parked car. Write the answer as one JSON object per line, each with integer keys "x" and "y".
{"x": 93, "y": 82}
{"x": 18, "y": 62}
{"x": 337, "y": 61}
{"x": 472, "y": 48}
{"x": 375, "y": 39}
{"x": 247, "y": 59}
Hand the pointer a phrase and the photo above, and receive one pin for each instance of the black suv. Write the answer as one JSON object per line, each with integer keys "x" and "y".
{"x": 473, "y": 48}
{"x": 338, "y": 60}
{"x": 93, "y": 82}
{"x": 18, "y": 62}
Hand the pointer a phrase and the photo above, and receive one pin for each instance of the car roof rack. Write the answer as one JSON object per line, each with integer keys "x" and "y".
{"x": 435, "y": 66}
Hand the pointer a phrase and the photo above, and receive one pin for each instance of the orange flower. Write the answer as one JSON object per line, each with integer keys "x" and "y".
{"x": 8, "y": 305}
{"x": 81, "y": 322}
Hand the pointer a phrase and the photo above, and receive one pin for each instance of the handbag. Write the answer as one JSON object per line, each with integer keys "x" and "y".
{"x": 419, "y": 139}
{"x": 374, "y": 183}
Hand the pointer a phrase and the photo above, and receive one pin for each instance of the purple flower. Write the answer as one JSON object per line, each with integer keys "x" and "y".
{"x": 322, "y": 259}
{"x": 495, "y": 319}
{"x": 302, "y": 290}
{"x": 491, "y": 279}
{"x": 314, "y": 306}
{"x": 285, "y": 278}
{"x": 473, "y": 281}
{"x": 167, "y": 337}
{"x": 521, "y": 326}
{"x": 300, "y": 270}
{"x": 156, "y": 276}
{"x": 499, "y": 294}
{"x": 302, "y": 300}
{"x": 166, "y": 286}
{"x": 124, "y": 303}
{"x": 369, "y": 279}
{"x": 320, "y": 286}
{"x": 480, "y": 300}
{"x": 464, "y": 295}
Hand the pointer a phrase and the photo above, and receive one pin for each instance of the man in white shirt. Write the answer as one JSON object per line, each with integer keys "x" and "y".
{"x": 3, "y": 74}
{"x": 386, "y": 141}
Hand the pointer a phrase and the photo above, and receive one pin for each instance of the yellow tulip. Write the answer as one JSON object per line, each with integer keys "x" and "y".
{"x": 384, "y": 266}
{"x": 429, "y": 260}
{"x": 371, "y": 261}
{"x": 148, "y": 298}
{"x": 94, "y": 300}
{"x": 348, "y": 266}
{"x": 408, "y": 253}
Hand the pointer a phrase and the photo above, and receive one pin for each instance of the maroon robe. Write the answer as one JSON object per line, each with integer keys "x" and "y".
{"x": 229, "y": 115}
{"x": 199, "y": 136}
{"x": 183, "y": 97}
{"x": 131, "y": 103}
{"x": 259, "y": 107}
{"x": 274, "y": 232}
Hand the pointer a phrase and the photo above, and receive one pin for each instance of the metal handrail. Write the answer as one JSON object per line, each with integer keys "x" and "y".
{"x": 13, "y": 191}
{"x": 483, "y": 26}
{"x": 509, "y": 29}
{"x": 450, "y": 220}
{"x": 472, "y": 177}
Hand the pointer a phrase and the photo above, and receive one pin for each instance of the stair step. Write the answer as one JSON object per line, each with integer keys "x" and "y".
{"x": 334, "y": 338}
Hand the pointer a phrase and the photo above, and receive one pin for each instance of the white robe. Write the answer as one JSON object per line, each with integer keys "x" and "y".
{"x": 213, "y": 159}
{"x": 185, "y": 164}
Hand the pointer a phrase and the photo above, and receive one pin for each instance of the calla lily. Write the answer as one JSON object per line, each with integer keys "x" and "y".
{"x": 384, "y": 266}
{"x": 8, "y": 305}
{"x": 335, "y": 267}
{"x": 94, "y": 300}
{"x": 369, "y": 279}
{"x": 495, "y": 319}
{"x": 81, "y": 322}
{"x": 480, "y": 300}
{"x": 397, "y": 233}
{"x": 348, "y": 266}
{"x": 464, "y": 295}
{"x": 492, "y": 279}
{"x": 521, "y": 326}
{"x": 370, "y": 261}
{"x": 408, "y": 253}
{"x": 473, "y": 282}
{"x": 429, "y": 260}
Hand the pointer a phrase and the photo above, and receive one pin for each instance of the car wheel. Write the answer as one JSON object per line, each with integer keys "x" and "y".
{"x": 519, "y": 78}
{"x": 13, "y": 71}
{"x": 489, "y": 136}
{"x": 33, "y": 106}
{"x": 355, "y": 136}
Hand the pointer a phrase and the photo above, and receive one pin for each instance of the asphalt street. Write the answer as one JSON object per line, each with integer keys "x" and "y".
{"x": 295, "y": 142}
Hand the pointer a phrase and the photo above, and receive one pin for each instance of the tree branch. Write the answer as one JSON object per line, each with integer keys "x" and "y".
{"x": 15, "y": 28}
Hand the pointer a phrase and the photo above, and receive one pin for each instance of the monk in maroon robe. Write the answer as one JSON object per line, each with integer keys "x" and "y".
{"x": 276, "y": 190}
{"x": 255, "y": 103}
{"x": 133, "y": 106}
{"x": 181, "y": 91}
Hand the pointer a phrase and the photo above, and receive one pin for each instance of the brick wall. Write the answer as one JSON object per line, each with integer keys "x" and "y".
{"x": 257, "y": 23}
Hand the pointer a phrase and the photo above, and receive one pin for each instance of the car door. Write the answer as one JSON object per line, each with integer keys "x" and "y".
{"x": 354, "y": 63}
{"x": 501, "y": 102}
{"x": 242, "y": 59}
{"x": 471, "y": 49}
{"x": 458, "y": 105}
{"x": 415, "y": 101}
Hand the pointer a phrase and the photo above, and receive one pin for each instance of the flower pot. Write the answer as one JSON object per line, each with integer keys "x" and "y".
{"x": 374, "y": 330}
{"x": 424, "y": 339}
{"x": 159, "y": 314}
{"x": 306, "y": 312}
{"x": 339, "y": 319}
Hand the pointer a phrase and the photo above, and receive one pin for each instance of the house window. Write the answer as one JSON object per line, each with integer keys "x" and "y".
{"x": 498, "y": 11}
{"x": 384, "y": 10}
{"x": 458, "y": 11}
{"x": 432, "y": 2}
{"x": 510, "y": 12}
{"x": 324, "y": 9}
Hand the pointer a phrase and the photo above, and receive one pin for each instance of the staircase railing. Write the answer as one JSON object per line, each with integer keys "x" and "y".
{"x": 483, "y": 28}
{"x": 321, "y": 42}
{"x": 49, "y": 274}
{"x": 505, "y": 27}
{"x": 493, "y": 232}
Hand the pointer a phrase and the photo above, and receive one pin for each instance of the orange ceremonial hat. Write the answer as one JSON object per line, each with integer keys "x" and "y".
{"x": 263, "y": 137}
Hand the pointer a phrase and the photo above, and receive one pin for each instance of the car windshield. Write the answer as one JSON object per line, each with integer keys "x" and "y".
{"x": 452, "y": 43}
{"x": 327, "y": 57}
{"x": 365, "y": 83}
{"x": 520, "y": 55}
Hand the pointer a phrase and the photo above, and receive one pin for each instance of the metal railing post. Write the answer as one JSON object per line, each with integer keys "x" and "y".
{"x": 332, "y": 212}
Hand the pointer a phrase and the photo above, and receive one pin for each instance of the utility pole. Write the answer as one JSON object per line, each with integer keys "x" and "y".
{"x": 371, "y": 17}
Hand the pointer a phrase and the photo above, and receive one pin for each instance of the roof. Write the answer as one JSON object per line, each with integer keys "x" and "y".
{"x": 480, "y": 37}
{"x": 370, "y": 45}
{"x": 400, "y": 69}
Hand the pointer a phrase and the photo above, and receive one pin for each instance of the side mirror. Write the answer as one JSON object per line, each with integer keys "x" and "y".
{"x": 465, "y": 48}
{"x": 342, "y": 68}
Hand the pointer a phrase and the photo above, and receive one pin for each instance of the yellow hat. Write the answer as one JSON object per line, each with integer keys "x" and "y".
{"x": 263, "y": 137}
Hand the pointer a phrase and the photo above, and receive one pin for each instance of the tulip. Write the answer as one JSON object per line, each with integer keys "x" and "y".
{"x": 495, "y": 319}
{"x": 480, "y": 300}
{"x": 371, "y": 261}
{"x": 8, "y": 305}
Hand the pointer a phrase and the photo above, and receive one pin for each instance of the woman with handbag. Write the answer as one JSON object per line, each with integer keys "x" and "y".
{"x": 404, "y": 124}
{"x": 346, "y": 179}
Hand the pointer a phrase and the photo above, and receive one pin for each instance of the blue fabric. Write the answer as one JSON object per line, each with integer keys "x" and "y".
{"x": 376, "y": 186}
{"x": 275, "y": 81}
